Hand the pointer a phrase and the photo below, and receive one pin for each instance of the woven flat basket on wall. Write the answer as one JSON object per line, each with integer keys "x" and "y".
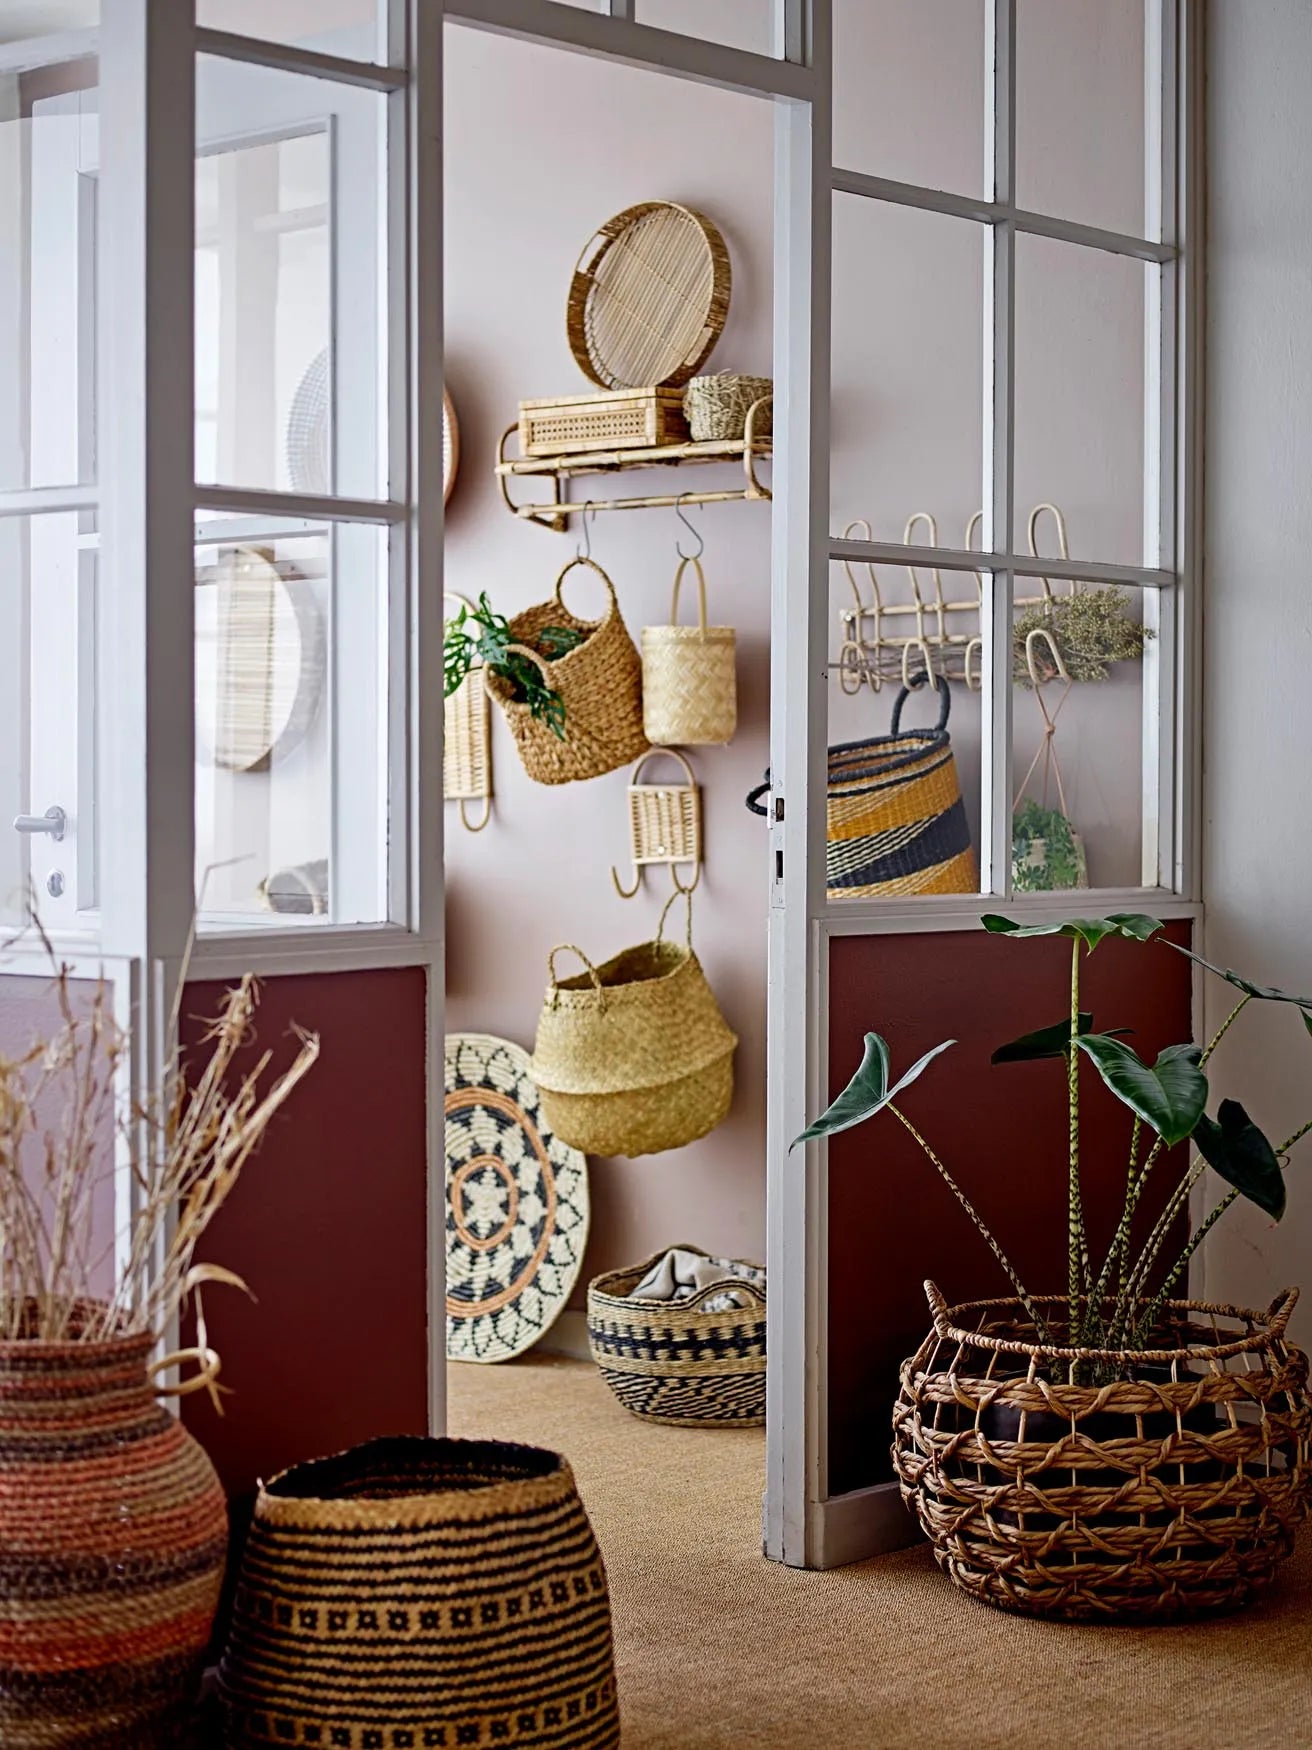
{"x": 689, "y": 679}
{"x": 673, "y": 1361}
{"x": 600, "y": 685}
{"x": 419, "y": 1592}
{"x": 633, "y": 1057}
{"x": 1106, "y": 1485}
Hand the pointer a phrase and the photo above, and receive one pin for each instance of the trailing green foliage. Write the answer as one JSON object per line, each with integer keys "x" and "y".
{"x": 1119, "y": 1305}
{"x": 482, "y": 635}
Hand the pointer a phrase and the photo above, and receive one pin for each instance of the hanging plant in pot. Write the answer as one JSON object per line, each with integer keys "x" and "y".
{"x": 1111, "y": 1452}
{"x": 112, "y": 1520}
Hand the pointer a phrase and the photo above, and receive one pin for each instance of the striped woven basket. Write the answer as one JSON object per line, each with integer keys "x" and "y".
{"x": 672, "y": 1361}
{"x": 113, "y": 1537}
{"x": 416, "y": 1593}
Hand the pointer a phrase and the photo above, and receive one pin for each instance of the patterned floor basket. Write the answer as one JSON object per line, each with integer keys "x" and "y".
{"x": 414, "y": 1593}
{"x": 675, "y": 1361}
{"x": 1100, "y": 1485}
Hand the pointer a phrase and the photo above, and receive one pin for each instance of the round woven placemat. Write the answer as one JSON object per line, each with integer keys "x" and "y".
{"x": 517, "y": 1204}
{"x": 649, "y": 297}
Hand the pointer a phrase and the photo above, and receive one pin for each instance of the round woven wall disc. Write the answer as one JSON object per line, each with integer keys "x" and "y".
{"x": 516, "y": 1204}
{"x": 649, "y": 297}
{"x": 450, "y": 445}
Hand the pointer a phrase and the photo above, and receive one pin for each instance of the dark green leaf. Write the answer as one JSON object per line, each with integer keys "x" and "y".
{"x": 1171, "y": 1096}
{"x": 1237, "y": 1150}
{"x": 1134, "y": 926}
{"x": 1267, "y": 992}
{"x": 1047, "y": 1041}
{"x": 868, "y": 1091}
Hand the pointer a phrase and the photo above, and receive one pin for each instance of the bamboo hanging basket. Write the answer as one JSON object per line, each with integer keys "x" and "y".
{"x": 689, "y": 680}
{"x": 600, "y": 685}
{"x": 633, "y": 1057}
{"x": 649, "y": 297}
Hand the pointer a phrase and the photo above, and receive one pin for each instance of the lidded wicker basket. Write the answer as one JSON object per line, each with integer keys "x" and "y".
{"x": 633, "y": 1057}
{"x": 689, "y": 680}
{"x": 672, "y": 1360}
{"x": 718, "y": 407}
{"x": 1106, "y": 1484}
{"x": 422, "y": 1592}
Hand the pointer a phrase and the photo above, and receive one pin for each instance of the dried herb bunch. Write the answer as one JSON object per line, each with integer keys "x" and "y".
{"x": 1092, "y": 629}
{"x": 185, "y": 1146}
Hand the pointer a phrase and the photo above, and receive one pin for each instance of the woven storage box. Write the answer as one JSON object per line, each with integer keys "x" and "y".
{"x": 717, "y": 407}
{"x": 600, "y": 685}
{"x": 633, "y": 1056}
{"x": 1099, "y": 1485}
{"x": 622, "y": 419}
{"x": 672, "y": 1361}
{"x": 422, "y": 1592}
{"x": 689, "y": 680}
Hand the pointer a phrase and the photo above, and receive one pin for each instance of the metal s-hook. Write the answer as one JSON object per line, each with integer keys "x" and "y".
{"x": 695, "y": 532}
{"x": 584, "y": 549}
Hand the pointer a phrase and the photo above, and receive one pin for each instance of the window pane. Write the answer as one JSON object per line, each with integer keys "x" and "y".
{"x": 47, "y": 702}
{"x": 352, "y": 28}
{"x": 1078, "y": 791}
{"x": 289, "y": 260}
{"x": 1080, "y": 398}
{"x": 909, "y": 91}
{"x": 903, "y": 813}
{"x": 291, "y": 724}
{"x": 49, "y": 157}
{"x": 743, "y": 24}
{"x": 1080, "y": 110}
{"x": 906, "y": 422}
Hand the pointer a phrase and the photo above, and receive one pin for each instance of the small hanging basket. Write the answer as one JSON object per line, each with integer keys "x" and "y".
{"x": 600, "y": 685}
{"x": 689, "y": 681}
{"x": 717, "y": 407}
{"x": 665, "y": 824}
{"x": 633, "y": 1057}
{"x": 466, "y": 754}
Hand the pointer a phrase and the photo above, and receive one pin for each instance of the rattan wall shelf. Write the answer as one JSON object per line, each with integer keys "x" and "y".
{"x": 555, "y": 512}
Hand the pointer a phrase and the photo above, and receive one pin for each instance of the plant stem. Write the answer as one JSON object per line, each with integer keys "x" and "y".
{"x": 1032, "y": 1312}
{"x": 1078, "y": 1248}
{"x": 1224, "y": 1028}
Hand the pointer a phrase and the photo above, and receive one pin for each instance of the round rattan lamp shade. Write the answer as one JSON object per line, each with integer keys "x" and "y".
{"x": 517, "y": 1204}
{"x": 649, "y": 297}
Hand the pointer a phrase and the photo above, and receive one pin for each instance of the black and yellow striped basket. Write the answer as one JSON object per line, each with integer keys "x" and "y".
{"x": 411, "y": 1594}
{"x": 672, "y": 1360}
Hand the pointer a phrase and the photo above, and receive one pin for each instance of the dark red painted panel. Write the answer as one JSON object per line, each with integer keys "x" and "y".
{"x": 1001, "y": 1132}
{"x": 328, "y": 1226}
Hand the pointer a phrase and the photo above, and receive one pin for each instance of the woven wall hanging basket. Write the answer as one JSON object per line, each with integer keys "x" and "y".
{"x": 113, "y": 1537}
{"x": 600, "y": 686}
{"x": 673, "y": 1361}
{"x": 649, "y": 297}
{"x": 414, "y": 1593}
{"x": 633, "y": 1056}
{"x": 466, "y": 745}
{"x": 689, "y": 679}
{"x": 517, "y": 1206}
{"x": 1106, "y": 1485}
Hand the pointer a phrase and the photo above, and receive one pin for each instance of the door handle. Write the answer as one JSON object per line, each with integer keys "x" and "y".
{"x": 53, "y": 821}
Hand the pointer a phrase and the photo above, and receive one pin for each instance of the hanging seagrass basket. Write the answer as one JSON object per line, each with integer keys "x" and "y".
{"x": 1103, "y": 1485}
{"x": 689, "y": 683}
{"x": 600, "y": 686}
{"x": 718, "y": 407}
{"x": 381, "y": 1589}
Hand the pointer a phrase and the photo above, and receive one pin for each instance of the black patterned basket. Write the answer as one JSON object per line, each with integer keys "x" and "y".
{"x": 413, "y": 1594}
{"x": 672, "y": 1360}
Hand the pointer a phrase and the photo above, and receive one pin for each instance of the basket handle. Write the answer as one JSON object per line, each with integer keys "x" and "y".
{"x": 592, "y": 565}
{"x": 534, "y": 657}
{"x": 665, "y": 912}
{"x": 938, "y": 1309}
{"x": 916, "y": 681}
{"x": 1278, "y": 1313}
{"x": 454, "y": 595}
{"x": 593, "y": 974}
{"x": 684, "y": 563}
{"x": 752, "y": 1289}
{"x": 754, "y": 803}
{"x": 672, "y": 753}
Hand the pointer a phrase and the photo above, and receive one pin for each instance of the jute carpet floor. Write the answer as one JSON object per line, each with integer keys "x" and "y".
{"x": 717, "y": 1647}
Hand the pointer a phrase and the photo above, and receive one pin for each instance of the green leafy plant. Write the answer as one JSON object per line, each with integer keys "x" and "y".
{"x": 480, "y": 634}
{"x": 1117, "y": 1303}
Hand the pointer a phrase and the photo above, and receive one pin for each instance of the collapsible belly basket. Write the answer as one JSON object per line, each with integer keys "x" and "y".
{"x": 414, "y": 1593}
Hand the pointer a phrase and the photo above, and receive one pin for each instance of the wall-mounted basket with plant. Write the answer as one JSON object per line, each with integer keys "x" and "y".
{"x": 1110, "y": 1452}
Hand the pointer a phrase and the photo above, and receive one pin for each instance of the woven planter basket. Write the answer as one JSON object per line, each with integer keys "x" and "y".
{"x": 672, "y": 1361}
{"x": 600, "y": 684}
{"x": 416, "y": 1592}
{"x": 113, "y": 1533}
{"x": 633, "y": 1056}
{"x": 717, "y": 407}
{"x": 1101, "y": 1485}
{"x": 689, "y": 683}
